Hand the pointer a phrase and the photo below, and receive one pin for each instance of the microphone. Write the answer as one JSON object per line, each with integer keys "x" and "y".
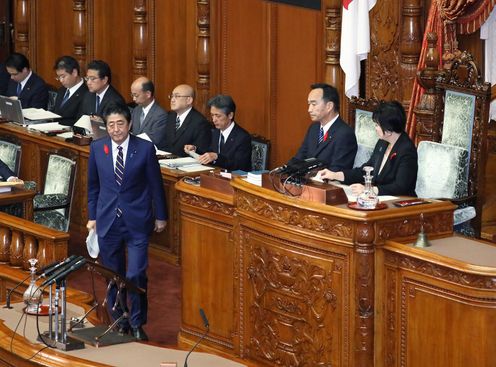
{"x": 68, "y": 269}
{"x": 60, "y": 270}
{"x": 47, "y": 270}
{"x": 207, "y": 326}
{"x": 9, "y": 293}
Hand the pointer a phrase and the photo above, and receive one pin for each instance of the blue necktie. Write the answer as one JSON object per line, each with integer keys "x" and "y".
{"x": 97, "y": 105}
{"x": 119, "y": 173}
{"x": 66, "y": 97}
{"x": 19, "y": 89}
{"x": 321, "y": 135}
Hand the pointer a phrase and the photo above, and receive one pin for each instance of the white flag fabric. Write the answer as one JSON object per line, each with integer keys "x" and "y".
{"x": 355, "y": 41}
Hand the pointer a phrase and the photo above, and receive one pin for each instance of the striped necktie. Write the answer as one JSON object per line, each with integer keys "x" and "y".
{"x": 66, "y": 97}
{"x": 178, "y": 122}
{"x": 321, "y": 135}
{"x": 119, "y": 172}
{"x": 19, "y": 89}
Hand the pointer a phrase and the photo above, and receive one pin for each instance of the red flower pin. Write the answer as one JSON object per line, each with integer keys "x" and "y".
{"x": 326, "y": 135}
{"x": 392, "y": 156}
{"x": 106, "y": 149}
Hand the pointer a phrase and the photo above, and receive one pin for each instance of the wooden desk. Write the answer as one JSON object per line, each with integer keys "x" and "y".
{"x": 289, "y": 282}
{"x": 21, "y": 196}
{"x": 35, "y": 147}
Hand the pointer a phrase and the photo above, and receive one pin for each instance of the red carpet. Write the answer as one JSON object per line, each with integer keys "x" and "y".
{"x": 164, "y": 297}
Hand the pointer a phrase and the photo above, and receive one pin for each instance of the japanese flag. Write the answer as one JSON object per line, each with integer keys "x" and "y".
{"x": 355, "y": 41}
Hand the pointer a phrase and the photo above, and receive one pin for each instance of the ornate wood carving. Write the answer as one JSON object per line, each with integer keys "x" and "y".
{"x": 364, "y": 295}
{"x": 391, "y": 326}
{"x": 79, "y": 32}
{"x": 203, "y": 53}
{"x": 294, "y": 302}
{"x": 333, "y": 73}
{"x": 140, "y": 39}
{"x": 29, "y": 252}
{"x": 294, "y": 217}
{"x": 16, "y": 249}
{"x": 428, "y": 119}
{"x": 410, "y": 46}
{"x": 204, "y": 203}
{"x": 22, "y": 23}
{"x": 410, "y": 227}
{"x": 4, "y": 245}
{"x": 383, "y": 66}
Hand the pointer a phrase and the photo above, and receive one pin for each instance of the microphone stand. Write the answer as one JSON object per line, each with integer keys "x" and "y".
{"x": 9, "y": 292}
{"x": 207, "y": 327}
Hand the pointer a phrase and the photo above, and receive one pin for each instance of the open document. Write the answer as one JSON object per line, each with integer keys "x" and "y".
{"x": 50, "y": 127}
{"x": 186, "y": 164}
{"x": 39, "y": 114}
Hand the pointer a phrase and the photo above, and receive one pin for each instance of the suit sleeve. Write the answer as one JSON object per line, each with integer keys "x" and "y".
{"x": 405, "y": 178}
{"x": 303, "y": 151}
{"x": 241, "y": 159}
{"x": 355, "y": 175}
{"x": 5, "y": 171}
{"x": 39, "y": 95}
{"x": 157, "y": 129}
{"x": 155, "y": 182}
{"x": 93, "y": 184}
{"x": 203, "y": 135}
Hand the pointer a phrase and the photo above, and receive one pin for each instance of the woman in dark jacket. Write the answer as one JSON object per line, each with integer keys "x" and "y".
{"x": 394, "y": 158}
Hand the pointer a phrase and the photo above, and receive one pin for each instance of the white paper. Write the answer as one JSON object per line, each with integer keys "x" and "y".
{"x": 177, "y": 162}
{"x": 195, "y": 168}
{"x": 193, "y": 154}
{"x": 49, "y": 126}
{"x": 85, "y": 123}
{"x": 39, "y": 114}
{"x": 92, "y": 244}
{"x": 67, "y": 135}
{"x": 145, "y": 136}
{"x": 162, "y": 152}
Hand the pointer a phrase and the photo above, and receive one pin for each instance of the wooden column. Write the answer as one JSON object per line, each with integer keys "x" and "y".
{"x": 140, "y": 39}
{"x": 203, "y": 53}
{"x": 333, "y": 74}
{"x": 79, "y": 33}
{"x": 410, "y": 46}
{"x": 21, "y": 27}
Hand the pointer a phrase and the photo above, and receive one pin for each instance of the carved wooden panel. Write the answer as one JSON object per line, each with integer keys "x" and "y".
{"x": 296, "y": 304}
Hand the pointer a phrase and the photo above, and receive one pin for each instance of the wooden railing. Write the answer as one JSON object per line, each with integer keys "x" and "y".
{"x": 21, "y": 240}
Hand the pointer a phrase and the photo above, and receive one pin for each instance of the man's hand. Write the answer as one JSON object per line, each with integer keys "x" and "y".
{"x": 160, "y": 225}
{"x": 91, "y": 225}
{"x": 208, "y": 157}
{"x": 189, "y": 148}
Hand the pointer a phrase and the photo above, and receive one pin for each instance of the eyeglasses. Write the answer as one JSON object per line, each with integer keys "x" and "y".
{"x": 175, "y": 96}
{"x": 91, "y": 78}
{"x": 60, "y": 77}
{"x": 135, "y": 95}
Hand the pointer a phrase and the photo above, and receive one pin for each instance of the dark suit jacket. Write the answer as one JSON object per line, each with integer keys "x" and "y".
{"x": 70, "y": 110}
{"x": 194, "y": 130}
{"x": 338, "y": 151}
{"x": 5, "y": 171}
{"x": 34, "y": 94}
{"x": 236, "y": 152}
{"x": 141, "y": 196}
{"x": 399, "y": 174}
{"x": 4, "y": 80}
{"x": 153, "y": 125}
{"x": 89, "y": 102}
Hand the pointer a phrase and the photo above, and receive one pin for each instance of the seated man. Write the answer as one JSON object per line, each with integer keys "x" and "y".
{"x": 24, "y": 84}
{"x": 230, "y": 145}
{"x": 185, "y": 125}
{"x": 72, "y": 92}
{"x": 328, "y": 138}
{"x": 6, "y": 173}
{"x": 4, "y": 79}
{"x": 102, "y": 93}
{"x": 148, "y": 117}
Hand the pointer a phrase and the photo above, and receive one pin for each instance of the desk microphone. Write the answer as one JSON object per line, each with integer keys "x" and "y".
{"x": 207, "y": 326}
{"x": 67, "y": 270}
{"x": 61, "y": 269}
{"x": 9, "y": 292}
{"x": 49, "y": 269}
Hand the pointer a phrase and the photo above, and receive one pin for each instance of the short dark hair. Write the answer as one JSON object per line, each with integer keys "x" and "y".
{"x": 67, "y": 63}
{"x": 148, "y": 86}
{"x": 329, "y": 94}
{"x": 117, "y": 108}
{"x": 17, "y": 61}
{"x": 390, "y": 116}
{"x": 103, "y": 69}
{"x": 222, "y": 102}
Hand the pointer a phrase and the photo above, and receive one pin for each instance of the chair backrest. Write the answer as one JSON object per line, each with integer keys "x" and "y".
{"x": 60, "y": 175}
{"x": 361, "y": 120}
{"x": 52, "y": 98}
{"x": 442, "y": 171}
{"x": 10, "y": 154}
{"x": 260, "y": 149}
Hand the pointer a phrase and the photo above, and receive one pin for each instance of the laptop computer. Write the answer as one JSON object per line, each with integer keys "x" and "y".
{"x": 11, "y": 110}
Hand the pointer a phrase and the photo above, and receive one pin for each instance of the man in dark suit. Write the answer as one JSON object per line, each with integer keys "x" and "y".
{"x": 72, "y": 92}
{"x": 328, "y": 138}
{"x": 185, "y": 125}
{"x": 4, "y": 80}
{"x": 126, "y": 202}
{"x": 102, "y": 93}
{"x": 6, "y": 173}
{"x": 230, "y": 146}
{"x": 24, "y": 84}
{"x": 148, "y": 117}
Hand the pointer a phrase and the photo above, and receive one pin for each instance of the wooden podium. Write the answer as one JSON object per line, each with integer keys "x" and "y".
{"x": 285, "y": 281}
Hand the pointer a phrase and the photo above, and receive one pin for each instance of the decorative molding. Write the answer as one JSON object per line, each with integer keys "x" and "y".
{"x": 333, "y": 73}
{"x": 390, "y": 318}
{"x": 80, "y": 32}
{"x": 288, "y": 215}
{"x": 203, "y": 52}
{"x": 205, "y": 203}
{"x": 140, "y": 39}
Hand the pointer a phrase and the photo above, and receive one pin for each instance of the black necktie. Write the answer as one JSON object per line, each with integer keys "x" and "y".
{"x": 97, "y": 105}
{"x": 221, "y": 142}
{"x": 178, "y": 122}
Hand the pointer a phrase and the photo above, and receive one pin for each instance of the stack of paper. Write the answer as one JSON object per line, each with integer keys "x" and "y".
{"x": 49, "y": 127}
{"x": 39, "y": 114}
{"x": 254, "y": 178}
{"x": 186, "y": 164}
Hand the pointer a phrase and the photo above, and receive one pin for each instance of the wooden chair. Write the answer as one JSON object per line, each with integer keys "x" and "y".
{"x": 260, "y": 149}
{"x": 10, "y": 153}
{"x": 52, "y": 208}
{"x": 360, "y": 112}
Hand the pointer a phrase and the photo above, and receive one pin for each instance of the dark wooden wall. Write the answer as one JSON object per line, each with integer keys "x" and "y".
{"x": 263, "y": 53}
